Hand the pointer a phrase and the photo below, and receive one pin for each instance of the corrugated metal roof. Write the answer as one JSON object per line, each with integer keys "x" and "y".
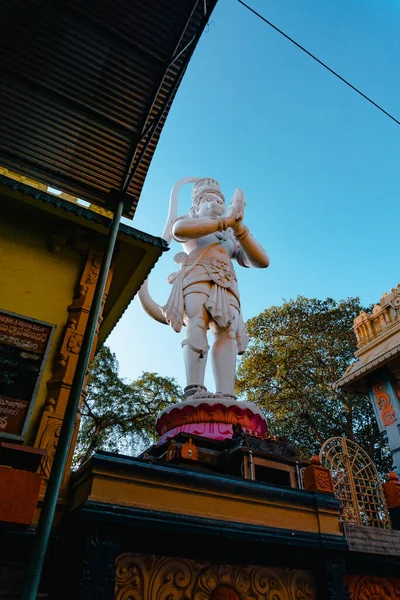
{"x": 81, "y": 80}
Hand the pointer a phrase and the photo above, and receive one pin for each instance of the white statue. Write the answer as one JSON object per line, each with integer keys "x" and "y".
{"x": 205, "y": 292}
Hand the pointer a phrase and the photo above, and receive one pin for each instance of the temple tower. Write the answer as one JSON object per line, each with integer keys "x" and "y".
{"x": 376, "y": 372}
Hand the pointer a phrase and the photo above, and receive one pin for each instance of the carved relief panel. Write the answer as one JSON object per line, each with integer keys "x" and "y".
{"x": 67, "y": 358}
{"x": 372, "y": 588}
{"x": 147, "y": 577}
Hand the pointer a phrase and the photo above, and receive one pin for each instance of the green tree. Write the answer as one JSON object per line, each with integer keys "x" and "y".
{"x": 296, "y": 352}
{"x": 117, "y": 415}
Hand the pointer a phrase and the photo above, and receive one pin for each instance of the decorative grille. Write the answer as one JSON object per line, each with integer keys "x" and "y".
{"x": 356, "y": 482}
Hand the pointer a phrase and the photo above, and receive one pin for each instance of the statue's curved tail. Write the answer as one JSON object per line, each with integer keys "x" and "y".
{"x": 149, "y": 305}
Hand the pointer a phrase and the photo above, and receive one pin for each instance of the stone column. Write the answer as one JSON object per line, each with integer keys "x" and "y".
{"x": 65, "y": 363}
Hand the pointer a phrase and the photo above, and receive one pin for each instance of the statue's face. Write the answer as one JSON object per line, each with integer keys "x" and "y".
{"x": 211, "y": 205}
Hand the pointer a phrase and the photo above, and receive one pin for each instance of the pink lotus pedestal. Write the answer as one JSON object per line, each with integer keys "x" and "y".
{"x": 211, "y": 418}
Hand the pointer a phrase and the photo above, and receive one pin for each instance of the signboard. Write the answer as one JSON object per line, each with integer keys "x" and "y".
{"x": 24, "y": 344}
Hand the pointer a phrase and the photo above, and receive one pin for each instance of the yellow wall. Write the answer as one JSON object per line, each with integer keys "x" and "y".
{"x": 35, "y": 282}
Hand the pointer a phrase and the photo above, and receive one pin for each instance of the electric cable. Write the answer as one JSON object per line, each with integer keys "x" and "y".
{"x": 319, "y": 61}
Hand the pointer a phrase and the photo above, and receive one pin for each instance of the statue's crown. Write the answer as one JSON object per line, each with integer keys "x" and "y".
{"x": 203, "y": 186}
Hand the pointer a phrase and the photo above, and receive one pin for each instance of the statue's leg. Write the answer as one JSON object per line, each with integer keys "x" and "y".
{"x": 223, "y": 358}
{"x": 195, "y": 345}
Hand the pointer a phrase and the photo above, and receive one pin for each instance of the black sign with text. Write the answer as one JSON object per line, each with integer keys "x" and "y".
{"x": 23, "y": 344}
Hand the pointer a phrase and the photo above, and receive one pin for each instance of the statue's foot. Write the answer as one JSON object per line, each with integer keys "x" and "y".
{"x": 200, "y": 393}
{"x": 191, "y": 390}
{"x": 196, "y": 391}
{"x": 221, "y": 395}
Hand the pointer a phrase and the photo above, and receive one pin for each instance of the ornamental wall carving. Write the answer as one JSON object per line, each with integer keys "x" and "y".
{"x": 66, "y": 360}
{"x": 148, "y": 577}
{"x": 372, "y": 588}
{"x": 383, "y": 403}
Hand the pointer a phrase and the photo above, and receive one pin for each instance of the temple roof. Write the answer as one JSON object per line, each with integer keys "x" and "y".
{"x": 85, "y": 85}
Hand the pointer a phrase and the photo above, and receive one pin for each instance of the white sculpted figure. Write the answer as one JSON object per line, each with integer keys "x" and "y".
{"x": 205, "y": 294}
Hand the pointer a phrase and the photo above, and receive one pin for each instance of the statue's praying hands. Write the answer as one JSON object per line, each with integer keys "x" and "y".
{"x": 235, "y": 212}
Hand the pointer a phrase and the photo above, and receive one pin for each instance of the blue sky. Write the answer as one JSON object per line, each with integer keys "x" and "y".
{"x": 318, "y": 164}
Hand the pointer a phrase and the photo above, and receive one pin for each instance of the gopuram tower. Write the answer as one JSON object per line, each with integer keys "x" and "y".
{"x": 376, "y": 372}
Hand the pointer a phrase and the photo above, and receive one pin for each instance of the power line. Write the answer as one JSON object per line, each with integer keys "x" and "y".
{"x": 319, "y": 61}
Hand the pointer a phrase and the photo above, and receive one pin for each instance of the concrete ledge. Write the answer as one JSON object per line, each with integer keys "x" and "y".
{"x": 105, "y": 513}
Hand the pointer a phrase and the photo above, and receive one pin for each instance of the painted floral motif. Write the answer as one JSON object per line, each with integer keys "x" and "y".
{"x": 372, "y": 588}
{"x": 224, "y": 592}
{"x": 383, "y": 402}
{"x": 225, "y": 578}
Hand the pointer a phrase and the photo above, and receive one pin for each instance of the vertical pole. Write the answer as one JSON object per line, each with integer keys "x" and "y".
{"x": 37, "y": 558}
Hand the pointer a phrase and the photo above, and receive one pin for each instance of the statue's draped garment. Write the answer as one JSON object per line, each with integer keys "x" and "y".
{"x": 223, "y": 300}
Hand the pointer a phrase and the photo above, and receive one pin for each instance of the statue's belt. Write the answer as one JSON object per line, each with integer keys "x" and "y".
{"x": 220, "y": 271}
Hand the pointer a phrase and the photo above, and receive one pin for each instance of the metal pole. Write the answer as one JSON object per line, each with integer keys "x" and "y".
{"x": 37, "y": 558}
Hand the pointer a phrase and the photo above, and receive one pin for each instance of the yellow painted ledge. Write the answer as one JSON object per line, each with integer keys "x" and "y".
{"x": 136, "y": 484}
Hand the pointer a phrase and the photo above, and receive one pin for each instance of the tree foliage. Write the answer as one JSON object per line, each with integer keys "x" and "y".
{"x": 296, "y": 352}
{"x": 118, "y": 415}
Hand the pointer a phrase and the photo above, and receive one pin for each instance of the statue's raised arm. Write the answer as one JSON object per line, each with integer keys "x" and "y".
{"x": 205, "y": 294}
